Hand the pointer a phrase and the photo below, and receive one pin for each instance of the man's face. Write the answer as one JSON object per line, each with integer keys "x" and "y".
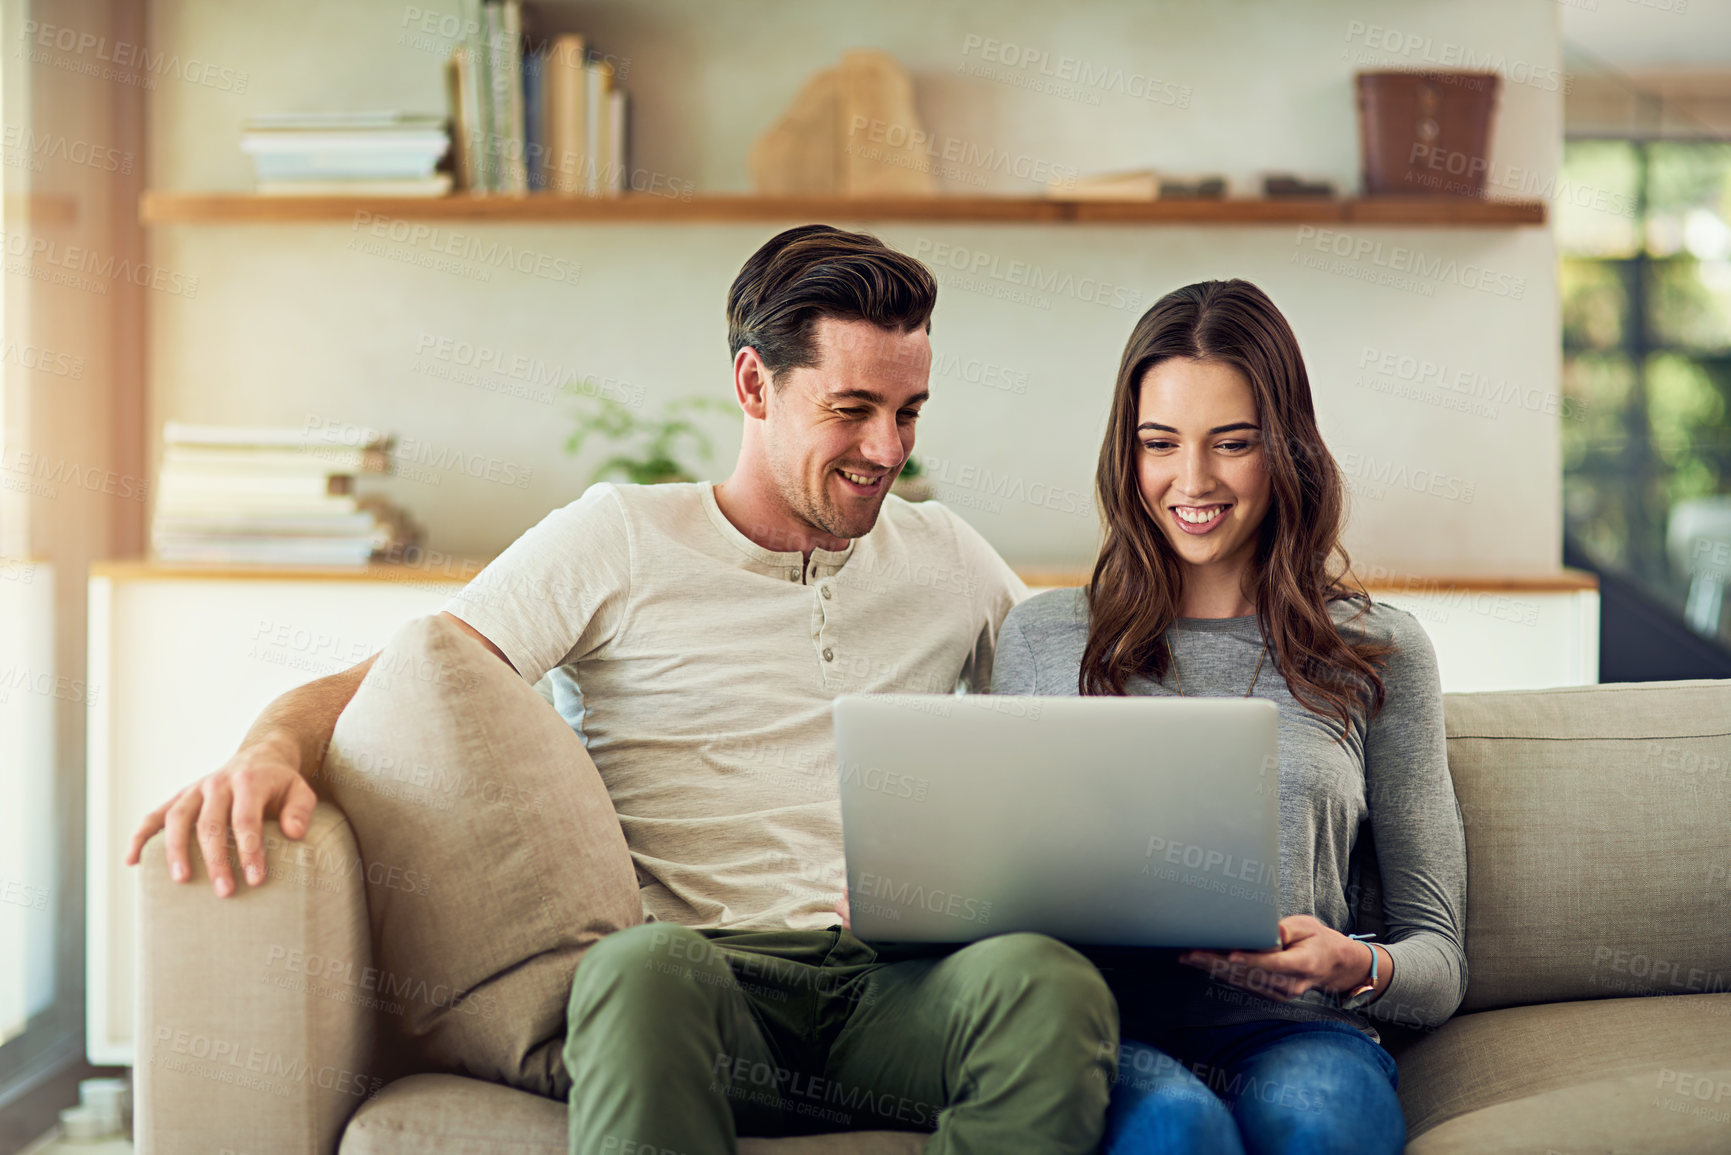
{"x": 836, "y": 434}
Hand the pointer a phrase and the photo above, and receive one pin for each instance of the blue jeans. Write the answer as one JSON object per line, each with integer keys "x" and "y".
{"x": 1251, "y": 1088}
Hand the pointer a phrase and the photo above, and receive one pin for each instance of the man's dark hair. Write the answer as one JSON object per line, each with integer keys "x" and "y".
{"x": 818, "y": 271}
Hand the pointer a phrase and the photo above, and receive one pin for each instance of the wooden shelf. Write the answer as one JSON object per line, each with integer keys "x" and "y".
{"x": 459, "y": 570}
{"x": 161, "y": 207}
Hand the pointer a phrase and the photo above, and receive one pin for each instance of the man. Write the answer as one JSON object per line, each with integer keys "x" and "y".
{"x": 699, "y": 634}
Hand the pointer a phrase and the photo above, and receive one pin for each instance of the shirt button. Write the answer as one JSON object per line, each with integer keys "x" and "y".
{"x": 826, "y": 594}
{"x": 828, "y": 654}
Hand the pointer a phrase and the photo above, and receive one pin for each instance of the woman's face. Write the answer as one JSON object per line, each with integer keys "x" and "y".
{"x": 1202, "y": 465}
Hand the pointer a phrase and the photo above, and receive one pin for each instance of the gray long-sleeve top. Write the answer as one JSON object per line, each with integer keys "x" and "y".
{"x": 1393, "y": 772}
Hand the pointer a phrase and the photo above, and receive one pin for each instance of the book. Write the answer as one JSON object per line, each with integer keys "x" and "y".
{"x": 195, "y": 484}
{"x": 515, "y": 143}
{"x": 437, "y": 185}
{"x": 271, "y": 462}
{"x": 266, "y": 551}
{"x": 504, "y": 96}
{"x": 274, "y": 436}
{"x": 616, "y": 152}
{"x": 567, "y": 117}
{"x": 408, "y": 148}
{"x": 294, "y": 122}
{"x": 478, "y": 51}
{"x": 219, "y": 504}
{"x": 355, "y": 524}
{"x": 277, "y": 495}
{"x": 462, "y": 152}
{"x": 535, "y": 118}
{"x": 598, "y": 80}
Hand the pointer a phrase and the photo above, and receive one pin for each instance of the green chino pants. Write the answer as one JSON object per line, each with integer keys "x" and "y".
{"x": 680, "y": 1040}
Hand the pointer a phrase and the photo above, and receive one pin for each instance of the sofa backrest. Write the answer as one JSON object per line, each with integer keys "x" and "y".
{"x": 1598, "y": 827}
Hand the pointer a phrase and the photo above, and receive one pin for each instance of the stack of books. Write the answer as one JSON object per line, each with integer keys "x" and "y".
{"x": 272, "y": 496}
{"x": 347, "y": 153}
{"x": 533, "y": 114}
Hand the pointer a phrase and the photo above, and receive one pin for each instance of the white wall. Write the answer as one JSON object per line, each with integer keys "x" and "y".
{"x": 1646, "y": 34}
{"x": 297, "y": 322}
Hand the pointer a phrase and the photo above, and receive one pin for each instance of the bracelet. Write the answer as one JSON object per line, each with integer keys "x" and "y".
{"x": 1370, "y": 985}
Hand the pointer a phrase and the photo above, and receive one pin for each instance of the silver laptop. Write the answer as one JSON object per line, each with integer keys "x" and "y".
{"x": 1141, "y": 822}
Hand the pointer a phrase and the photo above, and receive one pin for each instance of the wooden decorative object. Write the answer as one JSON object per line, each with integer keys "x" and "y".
{"x": 852, "y": 131}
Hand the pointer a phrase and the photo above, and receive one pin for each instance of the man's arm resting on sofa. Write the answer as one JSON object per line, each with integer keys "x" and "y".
{"x": 266, "y": 777}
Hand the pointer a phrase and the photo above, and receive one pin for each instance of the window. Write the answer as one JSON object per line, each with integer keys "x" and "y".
{"x": 1644, "y": 229}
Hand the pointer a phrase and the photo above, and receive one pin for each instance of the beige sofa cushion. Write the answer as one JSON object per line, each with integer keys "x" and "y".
{"x": 1598, "y": 825}
{"x": 446, "y": 1115}
{"x": 493, "y": 857}
{"x": 1633, "y": 1074}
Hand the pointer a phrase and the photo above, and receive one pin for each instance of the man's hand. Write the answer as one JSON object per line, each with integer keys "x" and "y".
{"x": 1313, "y": 956}
{"x": 841, "y": 908}
{"x": 261, "y": 780}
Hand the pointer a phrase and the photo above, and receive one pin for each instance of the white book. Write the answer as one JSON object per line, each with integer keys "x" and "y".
{"x": 272, "y": 436}
{"x": 268, "y": 553}
{"x": 244, "y": 505}
{"x": 323, "y": 460}
{"x": 598, "y": 80}
{"x": 437, "y": 185}
{"x": 566, "y": 85}
{"x": 387, "y": 119}
{"x": 351, "y": 525}
{"x": 424, "y": 141}
{"x": 173, "y": 484}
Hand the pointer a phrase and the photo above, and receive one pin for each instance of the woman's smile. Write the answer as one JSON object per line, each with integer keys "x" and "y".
{"x": 1199, "y": 519}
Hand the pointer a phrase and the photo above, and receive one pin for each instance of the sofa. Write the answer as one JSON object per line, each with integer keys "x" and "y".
{"x": 1598, "y": 1015}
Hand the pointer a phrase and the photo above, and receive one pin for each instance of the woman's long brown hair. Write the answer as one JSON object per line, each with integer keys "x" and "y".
{"x": 1299, "y": 565}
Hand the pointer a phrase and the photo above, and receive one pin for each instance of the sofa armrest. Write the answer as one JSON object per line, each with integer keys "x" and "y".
{"x": 256, "y": 1025}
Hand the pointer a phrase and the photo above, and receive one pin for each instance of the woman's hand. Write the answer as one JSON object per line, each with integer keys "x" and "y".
{"x": 841, "y": 908}
{"x": 1312, "y": 956}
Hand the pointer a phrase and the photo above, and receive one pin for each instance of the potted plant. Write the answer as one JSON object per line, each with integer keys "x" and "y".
{"x": 650, "y": 449}
{"x": 910, "y": 485}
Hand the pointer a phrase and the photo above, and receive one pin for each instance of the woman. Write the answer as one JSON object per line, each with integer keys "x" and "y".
{"x": 1221, "y": 574}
